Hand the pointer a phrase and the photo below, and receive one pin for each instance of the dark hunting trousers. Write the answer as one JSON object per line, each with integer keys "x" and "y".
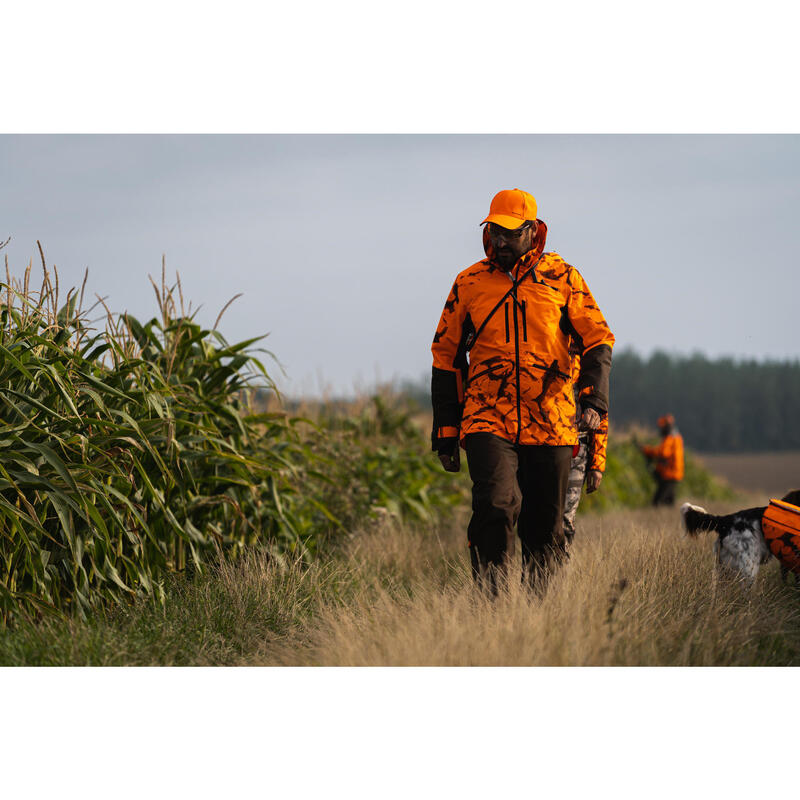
{"x": 665, "y": 492}
{"x": 516, "y": 485}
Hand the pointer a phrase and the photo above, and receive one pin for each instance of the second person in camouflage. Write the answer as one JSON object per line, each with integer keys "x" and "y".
{"x": 588, "y": 461}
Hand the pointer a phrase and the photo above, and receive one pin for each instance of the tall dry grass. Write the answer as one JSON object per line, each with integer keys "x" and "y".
{"x": 635, "y": 592}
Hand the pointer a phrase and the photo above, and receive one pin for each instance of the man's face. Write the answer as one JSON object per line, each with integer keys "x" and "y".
{"x": 509, "y": 245}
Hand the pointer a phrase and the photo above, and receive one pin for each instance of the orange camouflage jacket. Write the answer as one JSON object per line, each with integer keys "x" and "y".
{"x": 501, "y": 361}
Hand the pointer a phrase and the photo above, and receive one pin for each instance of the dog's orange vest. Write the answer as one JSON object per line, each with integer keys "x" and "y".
{"x": 781, "y": 527}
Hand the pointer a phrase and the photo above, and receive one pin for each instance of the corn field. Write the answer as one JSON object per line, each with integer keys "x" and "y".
{"x": 132, "y": 451}
{"x": 125, "y": 451}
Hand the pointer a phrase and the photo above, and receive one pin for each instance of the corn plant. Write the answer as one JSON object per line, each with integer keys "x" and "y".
{"x": 127, "y": 453}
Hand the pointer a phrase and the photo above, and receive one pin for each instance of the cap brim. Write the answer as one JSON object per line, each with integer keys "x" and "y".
{"x": 511, "y": 223}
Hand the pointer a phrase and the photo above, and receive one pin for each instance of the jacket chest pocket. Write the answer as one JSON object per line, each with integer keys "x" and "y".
{"x": 540, "y": 309}
{"x": 498, "y": 328}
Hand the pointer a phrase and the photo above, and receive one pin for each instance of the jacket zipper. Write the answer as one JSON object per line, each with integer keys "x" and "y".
{"x": 508, "y": 335}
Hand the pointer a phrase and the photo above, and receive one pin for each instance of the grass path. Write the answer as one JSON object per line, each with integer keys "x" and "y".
{"x": 635, "y": 592}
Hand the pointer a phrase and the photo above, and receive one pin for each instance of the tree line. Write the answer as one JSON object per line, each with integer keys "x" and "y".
{"x": 719, "y": 405}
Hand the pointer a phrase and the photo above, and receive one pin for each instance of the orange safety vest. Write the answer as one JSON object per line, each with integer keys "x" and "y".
{"x": 781, "y": 527}
{"x": 501, "y": 361}
{"x": 668, "y": 456}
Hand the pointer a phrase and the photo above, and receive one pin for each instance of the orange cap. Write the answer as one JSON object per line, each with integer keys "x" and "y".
{"x": 667, "y": 419}
{"x": 510, "y": 208}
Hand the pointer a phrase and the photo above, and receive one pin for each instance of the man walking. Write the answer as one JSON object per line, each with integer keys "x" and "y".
{"x": 501, "y": 387}
{"x": 668, "y": 458}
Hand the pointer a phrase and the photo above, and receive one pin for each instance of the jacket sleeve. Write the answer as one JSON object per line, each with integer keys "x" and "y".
{"x": 449, "y": 371}
{"x": 651, "y": 451}
{"x": 596, "y": 341}
{"x": 597, "y": 456}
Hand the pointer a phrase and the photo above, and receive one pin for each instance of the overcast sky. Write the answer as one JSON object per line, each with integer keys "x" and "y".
{"x": 345, "y": 246}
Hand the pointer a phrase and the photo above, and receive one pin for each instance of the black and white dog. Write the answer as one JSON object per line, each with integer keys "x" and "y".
{"x": 740, "y": 546}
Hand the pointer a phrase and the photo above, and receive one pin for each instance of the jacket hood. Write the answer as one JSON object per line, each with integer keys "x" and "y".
{"x": 531, "y": 255}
